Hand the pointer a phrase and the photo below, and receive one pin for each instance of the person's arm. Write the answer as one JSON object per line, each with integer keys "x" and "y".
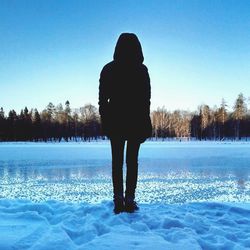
{"x": 148, "y": 91}
{"x": 103, "y": 93}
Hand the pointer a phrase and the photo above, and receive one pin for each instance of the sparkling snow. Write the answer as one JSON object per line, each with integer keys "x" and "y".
{"x": 169, "y": 172}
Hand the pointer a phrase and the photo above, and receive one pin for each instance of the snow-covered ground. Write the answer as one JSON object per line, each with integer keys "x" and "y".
{"x": 59, "y": 225}
{"x": 192, "y": 195}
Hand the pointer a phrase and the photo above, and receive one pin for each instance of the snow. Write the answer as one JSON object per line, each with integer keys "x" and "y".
{"x": 192, "y": 195}
{"x": 60, "y": 225}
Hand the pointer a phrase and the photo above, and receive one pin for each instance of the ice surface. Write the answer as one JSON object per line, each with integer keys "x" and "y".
{"x": 169, "y": 172}
{"x": 59, "y": 225}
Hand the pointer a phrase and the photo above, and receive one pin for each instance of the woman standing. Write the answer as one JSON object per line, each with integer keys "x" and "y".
{"x": 124, "y": 106}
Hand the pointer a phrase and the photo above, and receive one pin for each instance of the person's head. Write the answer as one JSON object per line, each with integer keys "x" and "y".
{"x": 128, "y": 49}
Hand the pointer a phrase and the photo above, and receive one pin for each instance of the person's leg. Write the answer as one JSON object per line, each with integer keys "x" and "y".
{"x": 117, "y": 149}
{"x": 132, "y": 151}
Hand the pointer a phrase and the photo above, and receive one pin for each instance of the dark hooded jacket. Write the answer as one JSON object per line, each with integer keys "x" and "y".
{"x": 124, "y": 92}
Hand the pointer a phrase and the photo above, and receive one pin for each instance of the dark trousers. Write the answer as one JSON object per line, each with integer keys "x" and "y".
{"x": 117, "y": 148}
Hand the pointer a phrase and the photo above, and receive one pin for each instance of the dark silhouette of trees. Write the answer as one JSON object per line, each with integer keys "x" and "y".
{"x": 61, "y": 122}
{"x": 37, "y": 125}
{"x": 54, "y": 123}
{"x": 3, "y": 123}
{"x": 239, "y": 113}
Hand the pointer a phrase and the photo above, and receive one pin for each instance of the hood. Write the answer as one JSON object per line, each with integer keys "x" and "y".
{"x": 128, "y": 49}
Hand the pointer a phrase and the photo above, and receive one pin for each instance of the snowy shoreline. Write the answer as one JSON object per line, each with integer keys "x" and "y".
{"x": 148, "y": 141}
{"x": 60, "y": 225}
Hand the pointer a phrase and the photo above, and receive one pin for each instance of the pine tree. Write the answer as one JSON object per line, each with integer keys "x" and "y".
{"x": 11, "y": 125}
{"x": 1, "y": 113}
{"x": 2, "y": 124}
{"x": 205, "y": 120}
{"x": 67, "y": 108}
{"x": 37, "y": 133}
{"x": 51, "y": 111}
{"x": 68, "y": 120}
{"x": 222, "y": 117}
{"x": 240, "y": 111}
{"x": 60, "y": 116}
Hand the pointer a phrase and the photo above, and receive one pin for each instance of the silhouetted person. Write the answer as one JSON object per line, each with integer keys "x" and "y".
{"x": 124, "y": 106}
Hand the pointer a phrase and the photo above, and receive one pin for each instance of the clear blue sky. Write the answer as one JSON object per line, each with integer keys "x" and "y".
{"x": 52, "y": 51}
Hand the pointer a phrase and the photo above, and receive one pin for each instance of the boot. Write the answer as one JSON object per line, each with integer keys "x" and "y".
{"x": 130, "y": 205}
{"x": 118, "y": 205}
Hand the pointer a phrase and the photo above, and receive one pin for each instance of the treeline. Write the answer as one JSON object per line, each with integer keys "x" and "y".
{"x": 206, "y": 123}
{"x": 54, "y": 123}
{"x": 59, "y": 122}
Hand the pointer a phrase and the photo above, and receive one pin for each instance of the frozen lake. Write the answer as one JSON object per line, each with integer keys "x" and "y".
{"x": 169, "y": 172}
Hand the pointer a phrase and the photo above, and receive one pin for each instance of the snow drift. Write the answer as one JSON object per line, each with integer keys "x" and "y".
{"x": 59, "y": 225}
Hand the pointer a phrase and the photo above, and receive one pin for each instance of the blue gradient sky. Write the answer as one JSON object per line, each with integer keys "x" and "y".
{"x": 196, "y": 51}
